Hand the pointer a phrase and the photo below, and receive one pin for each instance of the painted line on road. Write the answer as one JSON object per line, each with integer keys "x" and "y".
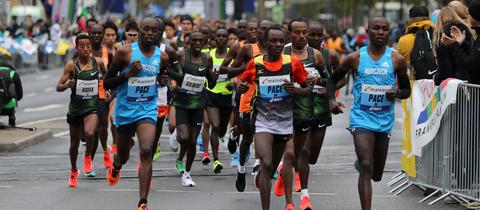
{"x": 64, "y": 133}
{"x": 8, "y": 187}
{"x": 118, "y": 190}
{"x": 30, "y": 95}
{"x": 49, "y": 89}
{"x": 43, "y": 121}
{"x": 43, "y": 108}
{"x": 386, "y": 196}
{"x": 42, "y": 77}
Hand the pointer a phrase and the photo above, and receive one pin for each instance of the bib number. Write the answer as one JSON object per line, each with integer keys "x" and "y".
{"x": 86, "y": 89}
{"x": 272, "y": 89}
{"x": 141, "y": 89}
{"x": 373, "y": 98}
{"x": 193, "y": 85}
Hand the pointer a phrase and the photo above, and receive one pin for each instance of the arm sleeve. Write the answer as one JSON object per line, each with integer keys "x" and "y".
{"x": 249, "y": 74}
{"x": 18, "y": 86}
{"x": 462, "y": 58}
{"x": 114, "y": 79}
{"x": 404, "y": 88}
{"x": 445, "y": 68}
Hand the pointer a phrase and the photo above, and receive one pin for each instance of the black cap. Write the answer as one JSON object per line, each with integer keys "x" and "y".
{"x": 474, "y": 10}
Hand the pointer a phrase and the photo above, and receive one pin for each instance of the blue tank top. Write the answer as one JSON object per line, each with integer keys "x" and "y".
{"x": 371, "y": 109}
{"x": 137, "y": 98}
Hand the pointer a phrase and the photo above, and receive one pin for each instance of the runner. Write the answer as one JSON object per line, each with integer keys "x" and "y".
{"x": 372, "y": 113}
{"x": 186, "y": 24}
{"x": 96, "y": 34}
{"x": 219, "y": 100}
{"x": 139, "y": 65}
{"x": 189, "y": 99}
{"x": 205, "y": 30}
{"x": 131, "y": 34}
{"x": 81, "y": 75}
{"x": 110, "y": 36}
{"x": 272, "y": 116}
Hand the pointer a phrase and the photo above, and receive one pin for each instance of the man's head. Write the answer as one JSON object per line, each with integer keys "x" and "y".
{"x": 169, "y": 29}
{"x": 263, "y": 26}
{"x": 91, "y": 22}
{"x": 418, "y": 11}
{"x": 186, "y": 40}
{"x": 251, "y": 32}
{"x": 221, "y": 38}
{"x": 298, "y": 29}
{"x": 131, "y": 32}
{"x": 242, "y": 25}
{"x": 316, "y": 34}
{"x": 196, "y": 41}
{"x": 275, "y": 39}
{"x": 474, "y": 10}
{"x": 232, "y": 36}
{"x": 186, "y": 23}
{"x": 459, "y": 8}
{"x": 83, "y": 45}
{"x": 148, "y": 31}
{"x": 110, "y": 36}
{"x": 378, "y": 30}
{"x": 161, "y": 28}
{"x": 205, "y": 30}
{"x": 96, "y": 34}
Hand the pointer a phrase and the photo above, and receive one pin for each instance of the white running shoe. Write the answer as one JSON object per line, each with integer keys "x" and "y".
{"x": 187, "y": 180}
{"x": 256, "y": 167}
{"x": 173, "y": 141}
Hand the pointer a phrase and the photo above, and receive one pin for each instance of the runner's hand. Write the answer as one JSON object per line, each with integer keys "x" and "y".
{"x": 163, "y": 80}
{"x": 70, "y": 83}
{"x": 336, "y": 107}
{"x": 215, "y": 76}
{"x": 322, "y": 91}
{"x": 242, "y": 87}
{"x": 222, "y": 70}
{"x": 134, "y": 68}
{"x": 311, "y": 80}
{"x": 108, "y": 96}
{"x": 391, "y": 94}
{"x": 229, "y": 86}
{"x": 290, "y": 87}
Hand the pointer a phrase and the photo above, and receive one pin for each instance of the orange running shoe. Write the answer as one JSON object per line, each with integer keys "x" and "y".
{"x": 205, "y": 158}
{"x": 305, "y": 203}
{"x": 143, "y": 207}
{"x": 72, "y": 182}
{"x": 290, "y": 206}
{"x": 114, "y": 149}
{"x": 107, "y": 160}
{"x": 87, "y": 164}
{"x": 279, "y": 188}
{"x": 111, "y": 179}
{"x": 298, "y": 185}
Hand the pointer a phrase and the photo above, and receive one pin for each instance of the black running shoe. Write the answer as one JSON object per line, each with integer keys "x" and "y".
{"x": 240, "y": 183}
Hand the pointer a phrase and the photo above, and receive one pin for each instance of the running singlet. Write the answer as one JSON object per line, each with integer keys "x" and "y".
{"x": 84, "y": 96}
{"x": 192, "y": 90}
{"x": 222, "y": 78}
{"x": 137, "y": 98}
{"x": 162, "y": 101}
{"x": 246, "y": 98}
{"x": 371, "y": 109}
{"x": 320, "y": 106}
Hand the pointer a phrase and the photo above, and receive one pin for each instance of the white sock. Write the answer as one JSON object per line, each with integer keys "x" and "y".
{"x": 241, "y": 169}
{"x": 186, "y": 174}
{"x": 174, "y": 135}
{"x": 257, "y": 162}
{"x": 304, "y": 193}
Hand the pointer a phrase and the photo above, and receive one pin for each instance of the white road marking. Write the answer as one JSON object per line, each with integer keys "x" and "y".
{"x": 49, "y": 89}
{"x": 43, "y": 108}
{"x": 385, "y": 196}
{"x": 43, "y": 121}
{"x": 56, "y": 135}
{"x": 30, "y": 95}
{"x": 8, "y": 187}
{"x": 118, "y": 190}
{"x": 42, "y": 77}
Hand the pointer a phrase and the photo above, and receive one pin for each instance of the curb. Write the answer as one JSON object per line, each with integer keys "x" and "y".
{"x": 20, "y": 144}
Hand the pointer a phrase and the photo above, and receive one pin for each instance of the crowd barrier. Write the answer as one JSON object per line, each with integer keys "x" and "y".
{"x": 449, "y": 165}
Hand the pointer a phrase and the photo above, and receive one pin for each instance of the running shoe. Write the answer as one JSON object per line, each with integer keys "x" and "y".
{"x": 256, "y": 167}
{"x": 279, "y": 188}
{"x": 235, "y": 159}
{"x": 107, "y": 160}
{"x": 173, "y": 142}
{"x": 240, "y": 183}
{"x": 232, "y": 142}
{"x": 290, "y": 206}
{"x": 143, "y": 207}
{"x": 357, "y": 165}
{"x": 73, "y": 182}
{"x": 298, "y": 185}
{"x": 91, "y": 174}
{"x": 206, "y": 158}
{"x": 87, "y": 164}
{"x": 187, "y": 181}
{"x": 217, "y": 166}
{"x": 156, "y": 156}
{"x": 305, "y": 203}
{"x": 113, "y": 176}
{"x": 180, "y": 167}
{"x": 114, "y": 149}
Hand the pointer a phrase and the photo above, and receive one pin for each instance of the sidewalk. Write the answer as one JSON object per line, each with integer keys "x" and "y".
{"x": 13, "y": 140}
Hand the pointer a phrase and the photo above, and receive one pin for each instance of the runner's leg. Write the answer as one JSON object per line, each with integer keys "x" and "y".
{"x": 158, "y": 133}
{"x": 213, "y": 115}
{"x": 264, "y": 147}
{"x": 205, "y": 131}
{"x": 380, "y": 156}
{"x": 146, "y": 139}
{"x": 75, "y": 133}
{"x": 287, "y": 168}
{"x": 364, "y": 147}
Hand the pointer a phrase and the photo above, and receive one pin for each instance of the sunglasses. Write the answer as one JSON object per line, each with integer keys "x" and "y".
{"x": 132, "y": 34}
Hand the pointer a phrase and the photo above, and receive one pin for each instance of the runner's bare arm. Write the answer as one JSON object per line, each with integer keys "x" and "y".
{"x": 350, "y": 62}
{"x": 101, "y": 67}
{"x": 400, "y": 66}
{"x": 231, "y": 54}
{"x": 334, "y": 59}
{"x": 233, "y": 72}
{"x": 175, "y": 71}
{"x": 164, "y": 58}
{"x": 212, "y": 76}
{"x": 120, "y": 61}
{"x": 66, "y": 80}
{"x": 239, "y": 64}
{"x": 180, "y": 63}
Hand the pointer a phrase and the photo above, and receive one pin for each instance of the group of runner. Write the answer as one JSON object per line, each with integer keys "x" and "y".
{"x": 276, "y": 95}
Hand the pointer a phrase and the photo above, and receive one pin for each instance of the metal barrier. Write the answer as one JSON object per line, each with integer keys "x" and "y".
{"x": 450, "y": 164}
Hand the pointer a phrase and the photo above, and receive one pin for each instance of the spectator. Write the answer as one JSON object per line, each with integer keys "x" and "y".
{"x": 12, "y": 89}
{"x": 460, "y": 9}
{"x": 13, "y": 27}
{"x": 447, "y": 66}
{"x": 169, "y": 30}
{"x": 232, "y": 36}
{"x": 418, "y": 19}
{"x": 131, "y": 34}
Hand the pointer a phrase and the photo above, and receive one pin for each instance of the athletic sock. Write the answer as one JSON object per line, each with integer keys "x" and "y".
{"x": 186, "y": 173}
{"x": 304, "y": 193}
{"x": 142, "y": 201}
{"x": 241, "y": 169}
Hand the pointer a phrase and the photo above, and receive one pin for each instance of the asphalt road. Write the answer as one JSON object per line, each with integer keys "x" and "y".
{"x": 36, "y": 178}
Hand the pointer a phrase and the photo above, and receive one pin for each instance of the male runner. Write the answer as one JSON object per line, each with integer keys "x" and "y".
{"x": 81, "y": 75}
{"x": 110, "y": 36}
{"x": 272, "y": 117}
{"x": 139, "y": 65}
{"x": 377, "y": 70}
{"x": 189, "y": 99}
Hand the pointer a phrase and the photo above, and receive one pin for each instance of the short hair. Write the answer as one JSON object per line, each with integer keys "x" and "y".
{"x": 418, "y": 11}
{"x": 186, "y": 17}
{"x": 275, "y": 27}
{"x": 169, "y": 23}
{"x": 132, "y": 25}
{"x": 296, "y": 20}
{"x": 111, "y": 25}
{"x": 233, "y": 31}
{"x": 161, "y": 23}
{"x": 92, "y": 20}
{"x": 80, "y": 37}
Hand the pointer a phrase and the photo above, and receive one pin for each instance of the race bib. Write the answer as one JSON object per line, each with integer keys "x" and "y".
{"x": 312, "y": 71}
{"x": 272, "y": 88}
{"x": 193, "y": 85}
{"x": 221, "y": 77}
{"x": 373, "y": 98}
{"x": 141, "y": 89}
{"x": 86, "y": 89}
{"x": 162, "y": 96}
